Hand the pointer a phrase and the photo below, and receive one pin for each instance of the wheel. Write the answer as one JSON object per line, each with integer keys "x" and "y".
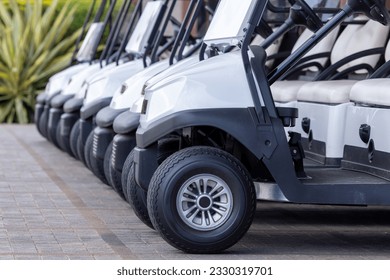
{"x": 201, "y": 200}
{"x": 167, "y": 147}
{"x": 59, "y": 139}
{"x": 96, "y": 165}
{"x": 80, "y": 149}
{"x": 137, "y": 197}
{"x": 53, "y": 135}
{"x": 127, "y": 165}
{"x": 88, "y": 150}
{"x": 42, "y": 124}
{"x": 64, "y": 141}
{"x": 74, "y": 135}
{"x": 107, "y": 164}
{"x": 113, "y": 176}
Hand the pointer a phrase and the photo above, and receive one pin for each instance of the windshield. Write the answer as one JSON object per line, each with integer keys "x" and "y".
{"x": 86, "y": 51}
{"x": 140, "y": 36}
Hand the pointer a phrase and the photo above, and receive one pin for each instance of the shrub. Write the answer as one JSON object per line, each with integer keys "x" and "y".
{"x": 34, "y": 45}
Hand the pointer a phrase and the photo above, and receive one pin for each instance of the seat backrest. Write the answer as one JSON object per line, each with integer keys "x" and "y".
{"x": 356, "y": 38}
{"x": 387, "y": 51}
{"x": 271, "y": 50}
{"x": 324, "y": 46}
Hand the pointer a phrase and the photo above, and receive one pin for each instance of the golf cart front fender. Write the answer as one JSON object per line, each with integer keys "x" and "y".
{"x": 59, "y": 100}
{"x": 238, "y": 122}
{"x": 73, "y": 105}
{"x": 126, "y": 122}
{"x": 93, "y": 107}
{"x": 106, "y": 116}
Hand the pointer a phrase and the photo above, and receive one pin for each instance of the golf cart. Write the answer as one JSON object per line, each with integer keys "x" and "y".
{"x": 146, "y": 44}
{"x": 82, "y": 57}
{"x": 131, "y": 90}
{"x": 233, "y": 147}
{"x": 110, "y": 54}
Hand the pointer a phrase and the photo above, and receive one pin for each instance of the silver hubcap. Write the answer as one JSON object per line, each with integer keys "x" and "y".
{"x": 204, "y": 202}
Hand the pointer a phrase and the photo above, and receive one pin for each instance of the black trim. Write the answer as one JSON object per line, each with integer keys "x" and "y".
{"x": 67, "y": 122}
{"x": 145, "y": 163}
{"x": 73, "y": 105}
{"x": 86, "y": 127}
{"x": 331, "y": 71}
{"x": 106, "y": 116}
{"x": 53, "y": 121}
{"x": 59, "y": 100}
{"x": 101, "y": 139}
{"x": 48, "y": 98}
{"x": 241, "y": 123}
{"x": 358, "y": 158}
{"x": 92, "y": 108}
{"x": 41, "y": 98}
{"x": 121, "y": 148}
{"x": 38, "y": 111}
{"x": 126, "y": 122}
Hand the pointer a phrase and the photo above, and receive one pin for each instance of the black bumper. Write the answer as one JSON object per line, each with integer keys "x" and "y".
{"x": 122, "y": 145}
{"x": 145, "y": 164}
{"x": 106, "y": 116}
{"x": 126, "y": 122}
{"x": 102, "y": 137}
{"x": 91, "y": 109}
{"x": 73, "y": 105}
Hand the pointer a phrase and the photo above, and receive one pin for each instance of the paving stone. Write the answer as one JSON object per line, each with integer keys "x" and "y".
{"x": 53, "y": 208}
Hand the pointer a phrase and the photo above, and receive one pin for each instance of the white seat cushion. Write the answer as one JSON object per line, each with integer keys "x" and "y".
{"x": 323, "y": 46}
{"x": 371, "y": 92}
{"x": 356, "y": 38}
{"x": 286, "y": 91}
{"x": 328, "y": 92}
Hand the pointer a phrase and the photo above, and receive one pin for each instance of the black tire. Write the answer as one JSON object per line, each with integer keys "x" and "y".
{"x": 80, "y": 149}
{"x": 195, "y": 220}
{"x": 113, "y": 176}
{"x": 96, "y": 164}
{"x": 167, "y": 147}
{"x": 125, "y": 172}
{"x": 88, "y": 150}
{"x": 42, "y": 124}
{"x": 107, "y": 164}
{"x": 137, "y": 197}
{"x": 59, "y": 139}
{"x": 74, "y": 136}
{"x": 64, "y": 142}
{"x": 52, "y": 135}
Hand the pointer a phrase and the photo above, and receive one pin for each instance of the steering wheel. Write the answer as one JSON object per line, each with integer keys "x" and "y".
{"x": 302, "y": 14}
{"x": 374, "y": 9}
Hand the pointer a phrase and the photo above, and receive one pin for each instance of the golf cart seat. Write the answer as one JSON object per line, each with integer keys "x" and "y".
{"x": 374, "y": 91}
{"x": 366, "y": 147}
{"x": 323, "y": 104}
{"x": 353, "y": 41}
{"x": 286, "y": 90}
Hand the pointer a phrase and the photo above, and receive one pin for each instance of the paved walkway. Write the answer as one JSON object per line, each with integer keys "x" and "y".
{"x": 52, "y": 207}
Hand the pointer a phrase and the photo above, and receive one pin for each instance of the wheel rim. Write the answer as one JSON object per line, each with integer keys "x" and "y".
{"x": 204, "y": 202}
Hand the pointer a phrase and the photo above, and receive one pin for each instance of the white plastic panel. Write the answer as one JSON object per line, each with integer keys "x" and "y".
{"x": 229, "y": 21}
{"x": 91, "y": 39}
{"x": 144, "y": 27}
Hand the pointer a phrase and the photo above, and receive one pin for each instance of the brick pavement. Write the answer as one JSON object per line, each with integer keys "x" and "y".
{"x": 52, "y": 207}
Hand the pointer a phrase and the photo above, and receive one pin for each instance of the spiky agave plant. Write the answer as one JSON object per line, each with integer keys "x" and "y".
{"x": 34, "y": 45}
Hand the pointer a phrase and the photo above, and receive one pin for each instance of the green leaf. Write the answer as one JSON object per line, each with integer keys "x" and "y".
{"x": 34, "y": 45}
